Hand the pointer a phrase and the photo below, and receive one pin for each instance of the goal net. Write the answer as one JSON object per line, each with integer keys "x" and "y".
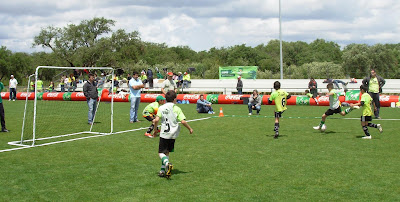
{"x": 56, "y": 109}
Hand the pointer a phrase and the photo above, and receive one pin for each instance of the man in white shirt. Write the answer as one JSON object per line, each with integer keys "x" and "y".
{"x": 169, "y": 84}
{"x": 135, "y": 85}
{"x": 13, "y": 88}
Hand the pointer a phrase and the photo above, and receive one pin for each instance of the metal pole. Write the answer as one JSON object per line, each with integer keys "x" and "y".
{"x": 280, "y": 39}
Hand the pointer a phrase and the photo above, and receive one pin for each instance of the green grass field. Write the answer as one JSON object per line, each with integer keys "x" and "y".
{"x": 229, "y": 158}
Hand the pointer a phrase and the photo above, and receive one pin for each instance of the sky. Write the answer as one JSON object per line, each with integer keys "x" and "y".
{"x": 204, "y": 24}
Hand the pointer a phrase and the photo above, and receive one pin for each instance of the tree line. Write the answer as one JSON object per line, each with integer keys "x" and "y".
{"x": 94, "y": 43}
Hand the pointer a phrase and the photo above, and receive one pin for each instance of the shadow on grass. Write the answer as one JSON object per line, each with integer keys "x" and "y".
{"x": 177, "y": 172}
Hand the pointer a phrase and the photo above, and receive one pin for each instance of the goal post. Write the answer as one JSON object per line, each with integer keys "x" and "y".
{"x": 51, "y": 115}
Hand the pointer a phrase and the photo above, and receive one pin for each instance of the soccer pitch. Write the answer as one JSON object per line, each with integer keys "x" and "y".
{"x": 227, "y": 158}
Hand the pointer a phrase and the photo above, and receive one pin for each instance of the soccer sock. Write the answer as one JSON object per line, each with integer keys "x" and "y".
{"x": 372, "y": 125}
{"x": 164, "y": 158}
{"x": 365, "y": 128}
{"x": 150, "y": 128}
{"x": 276, "y": 128}
{"x": 322, "y": 123}
{"x": 348, "y": 110}
{"x": 162, "y": 167}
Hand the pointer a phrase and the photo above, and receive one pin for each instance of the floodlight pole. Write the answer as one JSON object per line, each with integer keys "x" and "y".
{"x": 280, "y": 39}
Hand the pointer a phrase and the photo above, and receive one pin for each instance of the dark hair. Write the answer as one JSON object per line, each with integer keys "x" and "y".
{"x": 170, "y": 96}
{"x": 330, "y": 85}
{"x": 255, "y": 90}
{"x": 277, "y": 85}
{"x": 307, "y": 91}
{"x": 135, "y": 73}
{"x": 363, "y": 87}
{"x": 201, "y": 95}
{"x": 90, "y": 74}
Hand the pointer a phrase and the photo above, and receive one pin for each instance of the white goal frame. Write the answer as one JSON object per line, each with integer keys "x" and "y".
{"x": 33, "y": 140}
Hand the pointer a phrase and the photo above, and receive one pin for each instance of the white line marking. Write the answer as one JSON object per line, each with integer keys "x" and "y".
{"x": 87, "y": 137}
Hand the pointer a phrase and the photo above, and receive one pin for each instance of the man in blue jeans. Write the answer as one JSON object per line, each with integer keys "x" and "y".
{"x": 204, "y": 106}
{"x": 135, "y": 85}
{"x": 255, "y": 102}
{"x": 91, "y": 94}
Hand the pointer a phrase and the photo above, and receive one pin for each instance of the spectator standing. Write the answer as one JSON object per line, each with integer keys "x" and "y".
{"x": 168, "y": 84}
{"x": 180, "y": 79}
{"x": 374, "y": 84}
{"x": 150, "y": 77}
{"x": 51, "y": 86}
{"x": 13, "y": 88}
{"x": 3, "y": 122}
{"x": 239, "y": 85}
{"x": 66, "y": 82}
{"x": 254, "y": 102}
{"x": 204, "y": 106}
{"x": 91, "y": 94}
{"x": 62, "y": 84}
{"x": 39, "y": 86}
{"x": 312, "y": 85}
{"x": 186, "y": 80}
{"x": 102, "y": 80}
{"x": 135, "y": 84}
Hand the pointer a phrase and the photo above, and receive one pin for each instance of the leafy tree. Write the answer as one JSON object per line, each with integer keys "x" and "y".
{"x": 75, "y": 42}
{"x": 5, "y": 56}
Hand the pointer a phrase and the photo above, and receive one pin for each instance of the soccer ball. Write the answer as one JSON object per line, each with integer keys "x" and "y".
{"x": 323, "y": 128}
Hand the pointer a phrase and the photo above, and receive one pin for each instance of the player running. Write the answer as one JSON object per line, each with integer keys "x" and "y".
{"x": 280, "y": 97}
{"x": 169, "y": 114}
{"x": 334, "y": 107}
{"x": 366, "y": 112}
{"x": 150, "y": 112}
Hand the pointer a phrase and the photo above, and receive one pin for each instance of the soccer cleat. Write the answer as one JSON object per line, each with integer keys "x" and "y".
{"x": 4, "y": 130}
{"x": 169, "y": 168}
{"x": 276, "y": 135}
{"x": 379, "y": 128}
{"x": 317, "y": 127}
{"x": 148, "y": 135}
{"x": 161, "y": 173}
{"x": 367, "y": 137}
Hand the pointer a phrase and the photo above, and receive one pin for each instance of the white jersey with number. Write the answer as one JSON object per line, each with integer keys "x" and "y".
{"x": 170, "y": 116}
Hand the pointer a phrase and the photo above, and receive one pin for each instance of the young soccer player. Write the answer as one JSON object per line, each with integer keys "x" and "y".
{"x": 366, "y": 112}
{"x": 334, "y": 106}
{"x": 311, "y": 96}
{"x": 169, "y": 114}
{"x": 150, "y": 111}
{"x": 280, "y": 97}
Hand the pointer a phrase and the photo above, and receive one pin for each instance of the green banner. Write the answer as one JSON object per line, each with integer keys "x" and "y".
{"x": 353, "y": 95}
{"x": 302, "y": 100}
{"x": 67, "y": 96}
{"x": 40, "y": 96}
{"x": 213, "y": 98}
{"x": 232, "y": 72}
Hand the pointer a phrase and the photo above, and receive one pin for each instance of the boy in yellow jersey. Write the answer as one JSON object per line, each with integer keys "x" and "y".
{"x": 365, "y": 102}
{"x": 280, "y": 97}
{"x": 334, "y": 107}
{"x": 150, "y": 112}
{"x": 170, "y": 115}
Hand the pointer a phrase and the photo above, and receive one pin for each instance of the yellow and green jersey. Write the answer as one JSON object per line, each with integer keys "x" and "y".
{"x": 151, "y": 109}
{"x": 39, "y": 84}
{"x": 366, "y": 108}
{"x": 279, "y": 97}
{"x": 309, "y": 95}
{"x": 373, "y": 85}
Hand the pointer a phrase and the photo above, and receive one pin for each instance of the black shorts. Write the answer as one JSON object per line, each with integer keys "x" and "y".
{"x": 279, "y": 114}
{"x": 150, "y": 118}
{"x": 166, "y": 145}
{"x": 366, "y": 118}
{"x": 333, "y": 111}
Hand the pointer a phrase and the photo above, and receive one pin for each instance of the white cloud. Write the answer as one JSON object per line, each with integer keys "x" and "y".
{"x": 204, "y": 24}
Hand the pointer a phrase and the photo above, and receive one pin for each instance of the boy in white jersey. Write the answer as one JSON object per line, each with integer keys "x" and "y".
{"x": 169, "y": 114}
{"x": 334, "y": 106}
{"x": 365, "y": 103}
